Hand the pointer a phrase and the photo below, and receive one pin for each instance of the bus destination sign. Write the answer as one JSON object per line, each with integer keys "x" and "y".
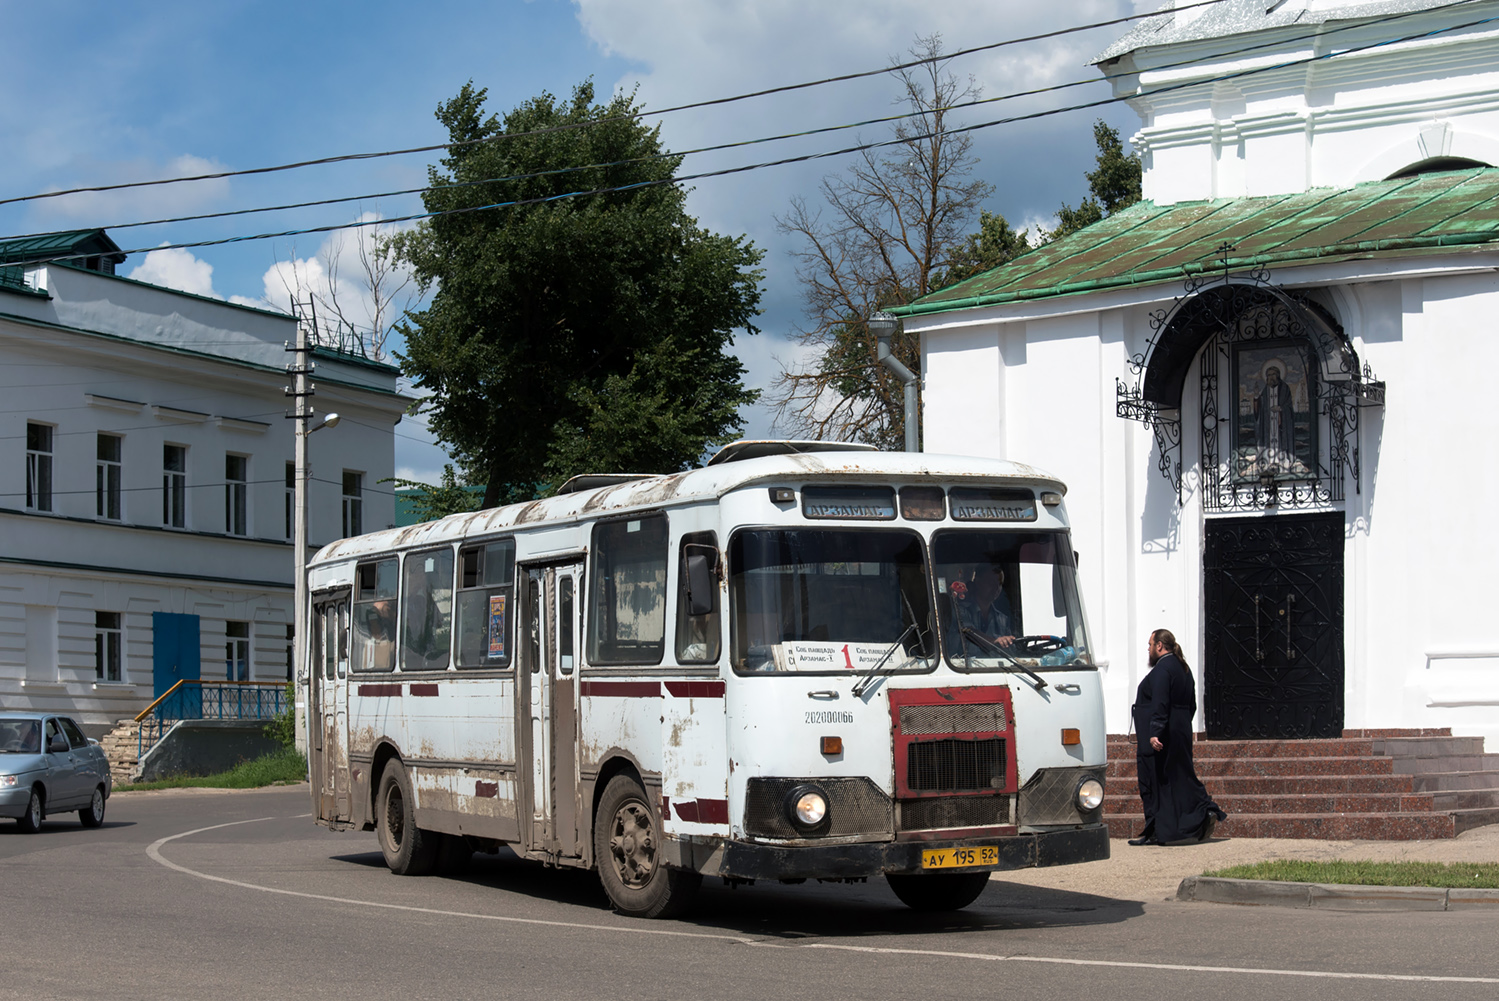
{"x": 992, "y": 504}
{"x": 855, "y": 503}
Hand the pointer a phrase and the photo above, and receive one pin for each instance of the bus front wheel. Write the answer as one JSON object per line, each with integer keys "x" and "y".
{"x": 408, "y": 850}
{"x": 627, "y": 847}
{"x": 948, "y": 891}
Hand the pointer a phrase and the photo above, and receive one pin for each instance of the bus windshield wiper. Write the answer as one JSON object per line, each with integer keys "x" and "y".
{"x": 873, "y": 672}
{"x": 973, "y": 634}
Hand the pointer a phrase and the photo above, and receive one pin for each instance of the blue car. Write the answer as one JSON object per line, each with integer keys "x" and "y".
{"x": 48, "y": 767}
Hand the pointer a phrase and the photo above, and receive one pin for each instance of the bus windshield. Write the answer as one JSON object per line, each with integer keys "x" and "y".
{"x": 829, "y": 600}
{"x": 1009, "y": 597}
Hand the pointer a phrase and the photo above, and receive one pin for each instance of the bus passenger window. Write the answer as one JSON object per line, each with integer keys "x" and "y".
{"x": 486, "y": 604}
{"x": 698, "y": 635}
{"x": 565, "y": 624}
{"x": 627, "y": 598}
{"x": 374, "y": 624}
{"x": 427, "y": 598}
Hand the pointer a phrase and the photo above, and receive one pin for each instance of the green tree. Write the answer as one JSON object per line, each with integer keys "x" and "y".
{"x": 994, "y": 244}
{"x": 571, "y": 334}
{"x": 430, "y": 503}
{"x": 892, "y": 221}
{"x": 1114, "y": 184}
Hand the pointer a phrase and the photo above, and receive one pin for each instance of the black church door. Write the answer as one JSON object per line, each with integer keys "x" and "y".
{"x": 1273, "y": 644}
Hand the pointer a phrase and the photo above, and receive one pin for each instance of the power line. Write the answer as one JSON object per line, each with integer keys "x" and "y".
{"x": 341, "y": 158}
{"x": 745, "y": 168}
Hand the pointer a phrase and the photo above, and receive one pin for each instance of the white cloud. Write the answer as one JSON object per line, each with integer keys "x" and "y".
{"x": 177, "y": 269}
{"x": 107, "y": 208}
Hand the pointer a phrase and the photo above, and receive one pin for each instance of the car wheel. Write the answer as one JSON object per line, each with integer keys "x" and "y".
{"x": 93, "y": 814}
{"x": 408, "y": 850}
{"x": 627, "y": 850}
{"x": 31, "y": 821}
{"x": 948, "y": 891}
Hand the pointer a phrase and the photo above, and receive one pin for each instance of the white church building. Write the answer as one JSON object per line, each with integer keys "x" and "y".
{"x": 146, "y": 481}
{"x": 1264, "y": 384}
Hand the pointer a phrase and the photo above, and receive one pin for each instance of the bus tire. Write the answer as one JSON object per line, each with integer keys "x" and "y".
{"x": 947, "y": 891}
{"x": 408, "y": 850}
{"x": 627, "y": 849}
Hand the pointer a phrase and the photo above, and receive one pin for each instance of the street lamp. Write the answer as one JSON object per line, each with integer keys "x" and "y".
{"x": 884, "y": 325}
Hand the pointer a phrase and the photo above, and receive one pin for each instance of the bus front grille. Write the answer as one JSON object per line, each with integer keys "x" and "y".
{"x": 983, "y": 717}
{"x": 956, "y": 765}
{"x": 956, "y": 811}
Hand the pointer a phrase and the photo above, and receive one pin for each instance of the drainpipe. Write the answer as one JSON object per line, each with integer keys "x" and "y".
{"x": 884, "y": 326}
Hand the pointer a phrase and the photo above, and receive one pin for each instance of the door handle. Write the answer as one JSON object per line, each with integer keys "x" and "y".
{"x": 1259, "y": 652}
{"x": 1290, "y": 600}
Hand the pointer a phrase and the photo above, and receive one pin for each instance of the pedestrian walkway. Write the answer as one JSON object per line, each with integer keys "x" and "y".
{"x": 1153, "y": 873}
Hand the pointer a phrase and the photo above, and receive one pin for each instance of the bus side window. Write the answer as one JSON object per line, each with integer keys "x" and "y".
{"x": 486, "y": 604}
{"x": 698, "y": 631}
{"x": 427, "y": 598}
{"x": 374, "y": 625}
{"x": 627, "y": 596}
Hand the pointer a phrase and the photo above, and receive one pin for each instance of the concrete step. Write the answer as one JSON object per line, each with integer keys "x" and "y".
{"x": 1301, "y": 803}
{"x": 1340, "y": 827}
{"x": 1465, "y": 799}
{"x": 1427, "y": 747}
{"x": 1202, "y": 748}
{"x": 1207, "y": 766}
{"x": 1466, "y": 820}
{"x": 1448, "y": 763}
{"x": 1273, "y": 785}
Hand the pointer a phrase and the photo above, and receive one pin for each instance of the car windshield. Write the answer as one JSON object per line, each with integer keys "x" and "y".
{"x": 20, "y": 736}
{"x": 829, "y": 600}
{"x": 1009, "y": 597}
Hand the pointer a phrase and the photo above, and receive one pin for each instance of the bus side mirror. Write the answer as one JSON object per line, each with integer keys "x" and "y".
{"x": 702, "y": 593}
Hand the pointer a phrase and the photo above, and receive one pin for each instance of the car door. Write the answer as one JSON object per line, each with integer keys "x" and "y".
{"x": 61, "y": 779}
{"x": 90, "y": 764}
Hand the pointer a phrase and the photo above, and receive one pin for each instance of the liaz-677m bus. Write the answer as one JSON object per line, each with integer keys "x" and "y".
{"x": 803, "y": 661}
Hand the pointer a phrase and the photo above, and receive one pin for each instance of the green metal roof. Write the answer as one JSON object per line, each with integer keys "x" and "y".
{"x": 1148, "y": 244}
{"x": 93, "y": 242}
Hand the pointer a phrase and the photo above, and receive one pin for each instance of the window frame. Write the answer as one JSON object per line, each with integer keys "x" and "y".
{"x": 357, "y": 603}
{"x": 405, "y": 599}
{"x": 352, "y": 503}
{"x": 504, "y": 588}
{"x": 713, "y": 624}
{"x": 237, "y": 496}
{"x": 598, "y": 580}
{"x": 104, "y": 633}
{"x": 108, "y": 473}
{"x": 235, "y": 643}
{"x": 173, "y": 488}
{"x": 39, "y": 463}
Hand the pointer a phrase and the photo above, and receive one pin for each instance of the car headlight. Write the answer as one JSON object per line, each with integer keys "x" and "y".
{"x": 1089, "y": 795}
{"x": 8, "y": 780}
{"x": 807, "y": 809}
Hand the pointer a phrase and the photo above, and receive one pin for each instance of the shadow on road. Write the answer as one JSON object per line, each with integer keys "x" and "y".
{"x": 61, "y": 825}
{"x": 805, "y": 910}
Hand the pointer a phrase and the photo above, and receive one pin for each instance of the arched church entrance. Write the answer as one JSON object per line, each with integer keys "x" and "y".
{"x": 1276, "y": 415}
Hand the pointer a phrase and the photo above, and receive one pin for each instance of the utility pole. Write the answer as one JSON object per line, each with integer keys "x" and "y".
{"x": 301, "y": 392}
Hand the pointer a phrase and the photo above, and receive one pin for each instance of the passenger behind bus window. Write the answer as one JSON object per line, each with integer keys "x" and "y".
{"x": 374, "y": 631}
{"x": 981, "y": 604}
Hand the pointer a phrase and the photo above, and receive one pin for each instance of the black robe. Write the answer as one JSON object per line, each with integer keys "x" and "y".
{"x": 1176, "y": 802}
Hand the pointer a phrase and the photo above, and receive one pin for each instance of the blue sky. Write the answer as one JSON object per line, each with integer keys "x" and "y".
{"x": 100, "y": 93}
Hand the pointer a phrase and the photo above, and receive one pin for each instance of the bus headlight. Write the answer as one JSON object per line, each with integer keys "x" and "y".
{"x": 807, "y": 809}
{"x": 1089, "y": 795}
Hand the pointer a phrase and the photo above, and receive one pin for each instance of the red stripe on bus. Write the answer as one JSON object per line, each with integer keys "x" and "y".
{"x": 623, "y": 689}
{"x": 704, "y": 811}
{"x": 489, "y": 790}
{"x": 423, "y": 689}
{"x": 695, "y": 689}
{"x": 380, "y": 690}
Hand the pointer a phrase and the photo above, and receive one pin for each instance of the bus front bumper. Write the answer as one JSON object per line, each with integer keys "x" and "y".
{"x": 744, "y": 860}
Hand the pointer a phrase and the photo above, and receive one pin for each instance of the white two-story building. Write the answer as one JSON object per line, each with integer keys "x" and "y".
{"x": 146, "y": 481}
{"x": 1264, "y": 383}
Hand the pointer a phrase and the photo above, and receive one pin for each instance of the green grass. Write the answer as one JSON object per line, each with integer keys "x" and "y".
{"x": 284, "y": 767}
{"x": 1461, "y": 875}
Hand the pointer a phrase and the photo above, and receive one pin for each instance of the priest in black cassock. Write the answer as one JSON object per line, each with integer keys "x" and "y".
{"x": 1177, "y": 805}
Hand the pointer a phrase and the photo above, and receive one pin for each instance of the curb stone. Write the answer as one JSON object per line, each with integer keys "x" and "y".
{"x": 1334, "y": 896}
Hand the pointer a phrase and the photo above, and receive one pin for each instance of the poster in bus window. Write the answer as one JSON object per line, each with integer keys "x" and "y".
{"x": 1275, "y": 427}
{"x": 497, "y": 626}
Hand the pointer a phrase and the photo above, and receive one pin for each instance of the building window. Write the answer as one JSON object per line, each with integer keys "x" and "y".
{"x": 353, "y": 503}
{"x": 237, "y": 650}
{"x": 291, "y": 498}
{"x": 236, "y": 473}
{"x": 39, "y": 467}
{"x": 107, "y": 478}
{"x": 107, "y": 644}
{"x": 291, "y": 658}
{"x": 174, "y": 486}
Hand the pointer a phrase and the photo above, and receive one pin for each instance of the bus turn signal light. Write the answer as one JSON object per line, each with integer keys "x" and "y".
{"x": 1071, "y": 737}
{"x": 832, "y": 745}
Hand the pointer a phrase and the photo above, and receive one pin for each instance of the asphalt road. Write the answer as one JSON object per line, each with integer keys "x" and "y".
{"x": 239, "y": 895}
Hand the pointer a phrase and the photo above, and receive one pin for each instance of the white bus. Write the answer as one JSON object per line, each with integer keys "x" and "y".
{"x": 805, "y": 660}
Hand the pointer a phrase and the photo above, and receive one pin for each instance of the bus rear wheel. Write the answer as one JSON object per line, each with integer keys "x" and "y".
{"x": 947, "y": 891}
{"x": 627, "y": 849}
{"x": 408, "y": 850}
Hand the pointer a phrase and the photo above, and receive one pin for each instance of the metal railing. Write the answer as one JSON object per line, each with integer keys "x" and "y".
{"x": 197, "y": 699}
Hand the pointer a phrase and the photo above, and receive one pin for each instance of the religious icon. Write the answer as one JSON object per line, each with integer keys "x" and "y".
{"x": 1275, "y": 427}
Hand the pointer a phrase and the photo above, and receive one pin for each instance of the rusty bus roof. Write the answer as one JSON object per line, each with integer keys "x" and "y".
{"x": 709, "y": 483}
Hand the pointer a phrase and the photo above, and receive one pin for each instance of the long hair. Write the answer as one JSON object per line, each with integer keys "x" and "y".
{"x": 1167, "y": 640}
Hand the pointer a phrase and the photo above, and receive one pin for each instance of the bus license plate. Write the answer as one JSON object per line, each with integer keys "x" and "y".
{"x": 957, "y": 858}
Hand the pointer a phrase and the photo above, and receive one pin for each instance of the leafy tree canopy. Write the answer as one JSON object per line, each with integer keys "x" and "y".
{"x": 994, "y": 244}
{"x": 1113, "y": 185}
{"x": 429, "y": 503}
{"x": 581, "y": 334}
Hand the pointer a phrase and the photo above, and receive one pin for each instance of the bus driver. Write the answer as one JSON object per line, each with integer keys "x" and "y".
{"x": 983, "y": 606}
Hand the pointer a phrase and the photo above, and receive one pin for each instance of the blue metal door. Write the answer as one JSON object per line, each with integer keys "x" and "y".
{"x": 175, "y": 655}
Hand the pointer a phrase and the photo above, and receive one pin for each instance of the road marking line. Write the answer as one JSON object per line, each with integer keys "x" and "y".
{"x": 154, "y": 851}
